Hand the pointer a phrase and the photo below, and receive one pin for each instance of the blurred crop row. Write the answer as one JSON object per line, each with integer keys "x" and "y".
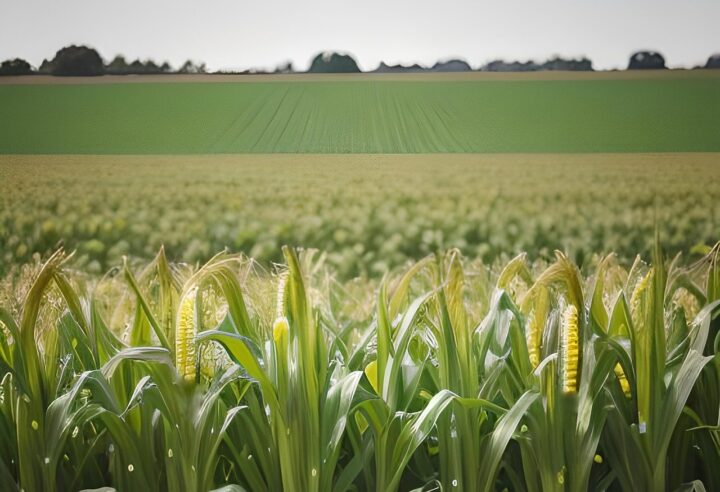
{"x": 369, "y": 212}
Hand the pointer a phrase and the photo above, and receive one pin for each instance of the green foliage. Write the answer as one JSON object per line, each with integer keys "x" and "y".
{"x": 369, "y": 213}
{"x": 297, "y": 386}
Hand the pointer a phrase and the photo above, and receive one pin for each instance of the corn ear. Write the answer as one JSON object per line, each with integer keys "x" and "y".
{"x": 185, "y": 332}
{"x": 536, "y": 324}
{"x": 624, "y": 384}
{"x": 532, "y": 336}
{"x": 570, "y": 350}
{"x": 640, "y": 310}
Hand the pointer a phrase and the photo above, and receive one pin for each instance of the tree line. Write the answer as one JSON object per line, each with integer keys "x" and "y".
{"x": 85, "y": 61}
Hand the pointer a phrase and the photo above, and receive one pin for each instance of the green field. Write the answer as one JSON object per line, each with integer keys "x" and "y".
{"x": 368, "y": 212}
{"x": 675, "y": 112}
{"x": 389, "y": 313}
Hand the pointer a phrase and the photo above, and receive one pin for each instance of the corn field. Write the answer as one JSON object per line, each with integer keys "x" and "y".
{"x": 445, "y": 375}
{"x": 376, "y": 213}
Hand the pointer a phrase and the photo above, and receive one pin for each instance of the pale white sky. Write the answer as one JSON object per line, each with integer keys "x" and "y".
{"x": 240, "y": 34}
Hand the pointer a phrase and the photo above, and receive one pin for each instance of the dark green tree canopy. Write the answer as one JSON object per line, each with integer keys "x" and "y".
{"x": 385, "y": 68}
{"x": 646, "y": 60}
{"x": 75, "y": 61}
{"x": 713, "y": 61}
{"x": 451, "y": 66}
{"x": 18, "y": 66}
{"x": 120, "y": 66}
{"x": 558, "y": 63}
{"x": 328, "y": 62}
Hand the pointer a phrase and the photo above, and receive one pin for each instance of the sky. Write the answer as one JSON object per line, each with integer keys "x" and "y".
{"x": 242, "y": 34}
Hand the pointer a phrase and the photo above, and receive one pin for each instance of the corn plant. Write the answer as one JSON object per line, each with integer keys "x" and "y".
{"x": 695, "y": 445}
{"x": 226, "y": 377}
{"x": 308, "y": 396}
{"x": 42, "y": 354}
{"x": 558, "y": 358}
{"x": 471, "y": 438}
{"x": 661, "y": 355}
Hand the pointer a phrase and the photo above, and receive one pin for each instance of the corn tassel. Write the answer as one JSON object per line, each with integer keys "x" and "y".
{"x": 280, "y": 325}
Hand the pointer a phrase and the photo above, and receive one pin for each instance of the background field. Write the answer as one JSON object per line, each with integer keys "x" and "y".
{"x": 334, "y": 368}
{"x": 601, "y": 113}
{"x": 369, "y": 212}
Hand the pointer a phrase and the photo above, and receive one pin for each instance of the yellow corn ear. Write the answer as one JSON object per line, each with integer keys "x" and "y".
{"x": 624, "y": 384}
{"x": 535, "y": 326}
{"x": 532, "y": 337}
{"x": 570, "y": 350}
{"x": 185, "y": 331}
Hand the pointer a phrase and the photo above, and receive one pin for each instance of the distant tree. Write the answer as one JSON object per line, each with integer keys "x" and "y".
{"x": 285, "y": 68}
{"x": 328, "y": 62}
{"x": 514, "y": 66}
{"x": 45, "y": 67}
{"x": 17, "y": 66}
{"x": 451, "y": 66}
{"x": 643, "y": 60}
{"x": 385, "y": 68}
{"x": 75, "y": 60}
{"x": 191, "y": 67}
{"x": 557, "y": 63}
{"x": 713, "y": 61}
{"x": 152, "y": 67}
{"x": 117, "y": 66}
{"x": 137, "y": 67}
